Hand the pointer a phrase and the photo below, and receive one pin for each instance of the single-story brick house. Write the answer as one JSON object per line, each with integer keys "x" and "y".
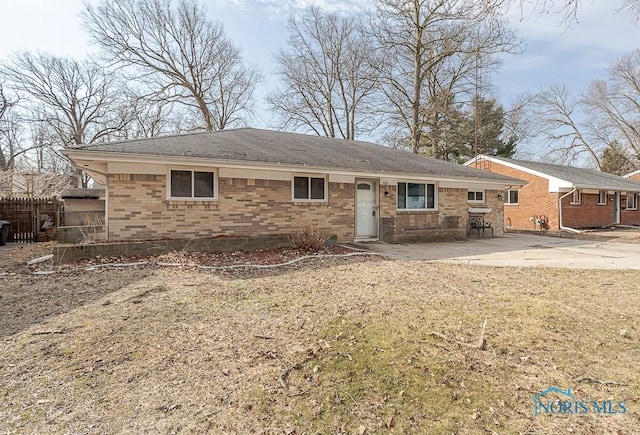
{"x": 252, "y": 182}
{"x": 558, "y": 197}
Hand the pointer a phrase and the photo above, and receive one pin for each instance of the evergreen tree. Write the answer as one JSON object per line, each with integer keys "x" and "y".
{"x": 450, "y": 132}
{"x": 615, "y": 160}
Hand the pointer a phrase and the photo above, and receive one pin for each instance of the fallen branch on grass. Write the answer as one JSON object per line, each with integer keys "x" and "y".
{"x": 481, "y": 344}
{"x": 240, "y": 266}
{"x": 286, "y": 263}
{"x": 137, "y": 263}
{"x": 351, "y": 397}
{"x": 50, "y": 331}
{"x": 606, "y": 383}
{"x": 228, "y": 267}
{"x": 284, "y": 376}
{"x": 40, "y": 260}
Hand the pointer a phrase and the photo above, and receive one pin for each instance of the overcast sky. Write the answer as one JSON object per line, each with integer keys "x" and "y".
{"x": 553, "y": 53}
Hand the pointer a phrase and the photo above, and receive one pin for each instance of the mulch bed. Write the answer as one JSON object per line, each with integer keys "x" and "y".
{"x": 233, "y": 260}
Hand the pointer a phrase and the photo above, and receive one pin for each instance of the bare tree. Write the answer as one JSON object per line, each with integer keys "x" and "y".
{"x": 12, "y": 145}
{"x": 419, "y": 41}
{"x": 632, "y": 8}
{"x": 613, "y": 105}
{"x": 78, "y": 100}
{"x": 5, "y": 103}
{"x": 568, "y": 9}
{"x": 605, "y": 117}
{"x": 8, "y": 131}
{"x": 178, "y": 53}
{"x": 566, "y": 138}
{"x": 327, "y": 76}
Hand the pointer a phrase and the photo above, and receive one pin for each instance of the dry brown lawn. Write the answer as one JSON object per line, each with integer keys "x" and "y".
{"x": 333, "y": 346}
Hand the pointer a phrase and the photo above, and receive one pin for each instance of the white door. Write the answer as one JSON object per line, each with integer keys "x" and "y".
{"x": 366, "y": 210}
{"x": 616, "y": 208}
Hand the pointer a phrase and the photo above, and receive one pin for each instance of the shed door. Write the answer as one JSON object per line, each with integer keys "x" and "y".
{"x": 366, "y": 210}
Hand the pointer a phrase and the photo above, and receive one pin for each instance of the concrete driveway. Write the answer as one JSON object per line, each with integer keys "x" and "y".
{"x": 518, "y": 250}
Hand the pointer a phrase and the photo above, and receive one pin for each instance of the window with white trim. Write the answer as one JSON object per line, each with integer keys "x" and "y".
{"x": 188, "y": 184}
{"x": 475, "y": 196}
{"x": 309, "y": 188}
{"x": 632, "y": 201}
{"x": 417, "y": 196}
{"x": 576, "y": 197}
{"x": 511, "y": 196}
{"x": 602, "y": 197}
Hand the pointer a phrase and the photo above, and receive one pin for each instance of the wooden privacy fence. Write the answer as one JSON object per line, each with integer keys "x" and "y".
{"x": 30, "y": 216}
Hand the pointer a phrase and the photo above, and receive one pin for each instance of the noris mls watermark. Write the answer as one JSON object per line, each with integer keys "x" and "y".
{"x": 564, "y": 403}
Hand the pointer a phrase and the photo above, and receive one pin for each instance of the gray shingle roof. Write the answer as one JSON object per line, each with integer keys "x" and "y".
{"x": 580, "y": 177}
{"x": 275, "y": 147}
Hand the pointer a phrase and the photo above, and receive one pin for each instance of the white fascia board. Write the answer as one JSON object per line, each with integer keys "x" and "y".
{"x": 81, "y": 158}
{"x": 474, "y": 159}
{"x": 631, "y": 174}
{"x": 609, "y": 189}
{"x": 555, "y": 184}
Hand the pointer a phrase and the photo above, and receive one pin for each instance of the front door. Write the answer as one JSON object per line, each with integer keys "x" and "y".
{"x": 366, "y": 209}
{"x": 616, "y": 208}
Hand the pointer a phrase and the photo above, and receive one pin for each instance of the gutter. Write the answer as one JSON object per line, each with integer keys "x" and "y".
{"x": 562, "y": 227}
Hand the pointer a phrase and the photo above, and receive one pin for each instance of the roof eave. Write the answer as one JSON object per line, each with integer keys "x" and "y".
{"x": 77, "y": 155}
{"x": 605, "y": 187}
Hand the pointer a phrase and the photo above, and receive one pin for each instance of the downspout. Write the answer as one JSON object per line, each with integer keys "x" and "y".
{"x": 562, "y": 227}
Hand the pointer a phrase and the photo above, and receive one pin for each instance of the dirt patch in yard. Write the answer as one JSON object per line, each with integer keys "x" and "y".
{"x": 32, "y": 294}
{"x": 345, "y": 346}
{"x": 13, "y": 256}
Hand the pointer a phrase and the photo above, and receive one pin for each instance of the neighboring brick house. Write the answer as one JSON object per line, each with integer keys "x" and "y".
{"x": 558, "y": 197}
{"x": 251, "y": 182}
{"x": 635, "y": 175}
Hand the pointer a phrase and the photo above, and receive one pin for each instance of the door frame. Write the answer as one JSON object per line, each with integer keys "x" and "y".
{"x": 376, "y": 197}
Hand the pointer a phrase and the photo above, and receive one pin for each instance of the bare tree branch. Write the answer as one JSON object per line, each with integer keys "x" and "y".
{"x": 429, "y": 48}
{"x": 613, "y": 105}
{"x": 565, "y": 136}
{"x": 178, "y": 53}
{"x": 568, "y": 9}
{"x": 327, "y": 77}
{"x": 77, "y": 100}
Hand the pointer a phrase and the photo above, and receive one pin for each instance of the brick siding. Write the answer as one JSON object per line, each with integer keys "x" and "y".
{"x": 139, "y": 210}
{"x": 588, "y": 213}
{"x": 535, "y": 203}
{"x": 449, "y": 222}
